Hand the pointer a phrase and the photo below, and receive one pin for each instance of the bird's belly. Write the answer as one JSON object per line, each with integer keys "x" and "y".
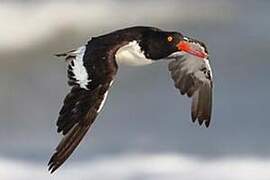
{"x": 131, "y": 54}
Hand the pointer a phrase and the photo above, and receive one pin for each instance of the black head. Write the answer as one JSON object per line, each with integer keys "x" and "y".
{"x": 161, "y": 44}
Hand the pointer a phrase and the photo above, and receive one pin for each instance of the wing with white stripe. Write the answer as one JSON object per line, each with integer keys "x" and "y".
{"x": 90, "y": 77}
{"x": 79, "y": 111}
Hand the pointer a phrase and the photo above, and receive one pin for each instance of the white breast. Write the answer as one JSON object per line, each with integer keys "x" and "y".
{"x": 131, "y": 54}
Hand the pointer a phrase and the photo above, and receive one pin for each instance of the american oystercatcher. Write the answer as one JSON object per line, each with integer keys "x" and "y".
{"x": 92, "y": 69}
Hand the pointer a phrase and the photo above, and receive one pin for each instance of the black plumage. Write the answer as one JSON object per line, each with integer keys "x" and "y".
{"x": 93, "y": 67}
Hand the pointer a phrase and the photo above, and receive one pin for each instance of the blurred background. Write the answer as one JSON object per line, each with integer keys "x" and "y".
{"x": 144, "y": 131}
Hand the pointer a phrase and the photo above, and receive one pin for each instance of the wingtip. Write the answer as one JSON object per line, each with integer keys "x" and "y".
{"x": 200, "y": 121}
{"x": 194, "y": 114}
{"x": 207, "y": 123}
{"x": 193, "y": 117}
{"x": 52, "y": 167}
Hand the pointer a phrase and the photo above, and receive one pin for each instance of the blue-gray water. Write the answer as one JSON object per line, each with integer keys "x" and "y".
{"x": 144, "y": 113}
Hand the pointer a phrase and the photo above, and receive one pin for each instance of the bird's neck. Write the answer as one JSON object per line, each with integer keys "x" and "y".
{"x": 126, "y": 47}
{"x": 132, "y": 54}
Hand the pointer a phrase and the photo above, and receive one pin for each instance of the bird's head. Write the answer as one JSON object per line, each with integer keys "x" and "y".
{"x": 160, "y": 44}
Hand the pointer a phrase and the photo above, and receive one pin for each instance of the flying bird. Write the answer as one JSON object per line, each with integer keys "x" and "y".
{"x": 92, "y": 68}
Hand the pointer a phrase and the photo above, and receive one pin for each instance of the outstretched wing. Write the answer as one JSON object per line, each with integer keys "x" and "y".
{"x": 193, "y": 76}
{"x": 90, "y": 79}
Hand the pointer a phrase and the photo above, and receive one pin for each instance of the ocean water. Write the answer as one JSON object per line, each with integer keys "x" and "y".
{"x": 145, "y": 119}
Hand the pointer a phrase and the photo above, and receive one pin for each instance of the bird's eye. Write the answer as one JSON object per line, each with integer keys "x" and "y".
{"x": 169, "y": 38}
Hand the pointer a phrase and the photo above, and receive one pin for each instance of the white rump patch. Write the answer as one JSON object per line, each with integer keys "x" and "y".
{"x": 78, "y": 68}
{"x": 131, "y": 54}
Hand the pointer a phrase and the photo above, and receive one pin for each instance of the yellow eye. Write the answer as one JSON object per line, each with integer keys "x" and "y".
{"x": 169, "y": 38}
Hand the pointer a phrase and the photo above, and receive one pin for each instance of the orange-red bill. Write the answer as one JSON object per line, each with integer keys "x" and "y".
{"x": 189, "y": 48}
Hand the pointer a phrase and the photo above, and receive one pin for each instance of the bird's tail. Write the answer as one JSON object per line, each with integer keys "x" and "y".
{"x": 65, "y": 54}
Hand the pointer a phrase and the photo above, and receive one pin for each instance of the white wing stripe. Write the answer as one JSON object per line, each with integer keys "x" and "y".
{"x": 209, "y": 67}
{"x": 103, "y": 102}
{"x": 104, "y": 99}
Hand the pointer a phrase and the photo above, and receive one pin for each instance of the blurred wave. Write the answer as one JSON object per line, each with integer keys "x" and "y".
{"x": 144, "y": 114}
{"x": 144, "y": 167}
{"x": 28, "y": 24}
